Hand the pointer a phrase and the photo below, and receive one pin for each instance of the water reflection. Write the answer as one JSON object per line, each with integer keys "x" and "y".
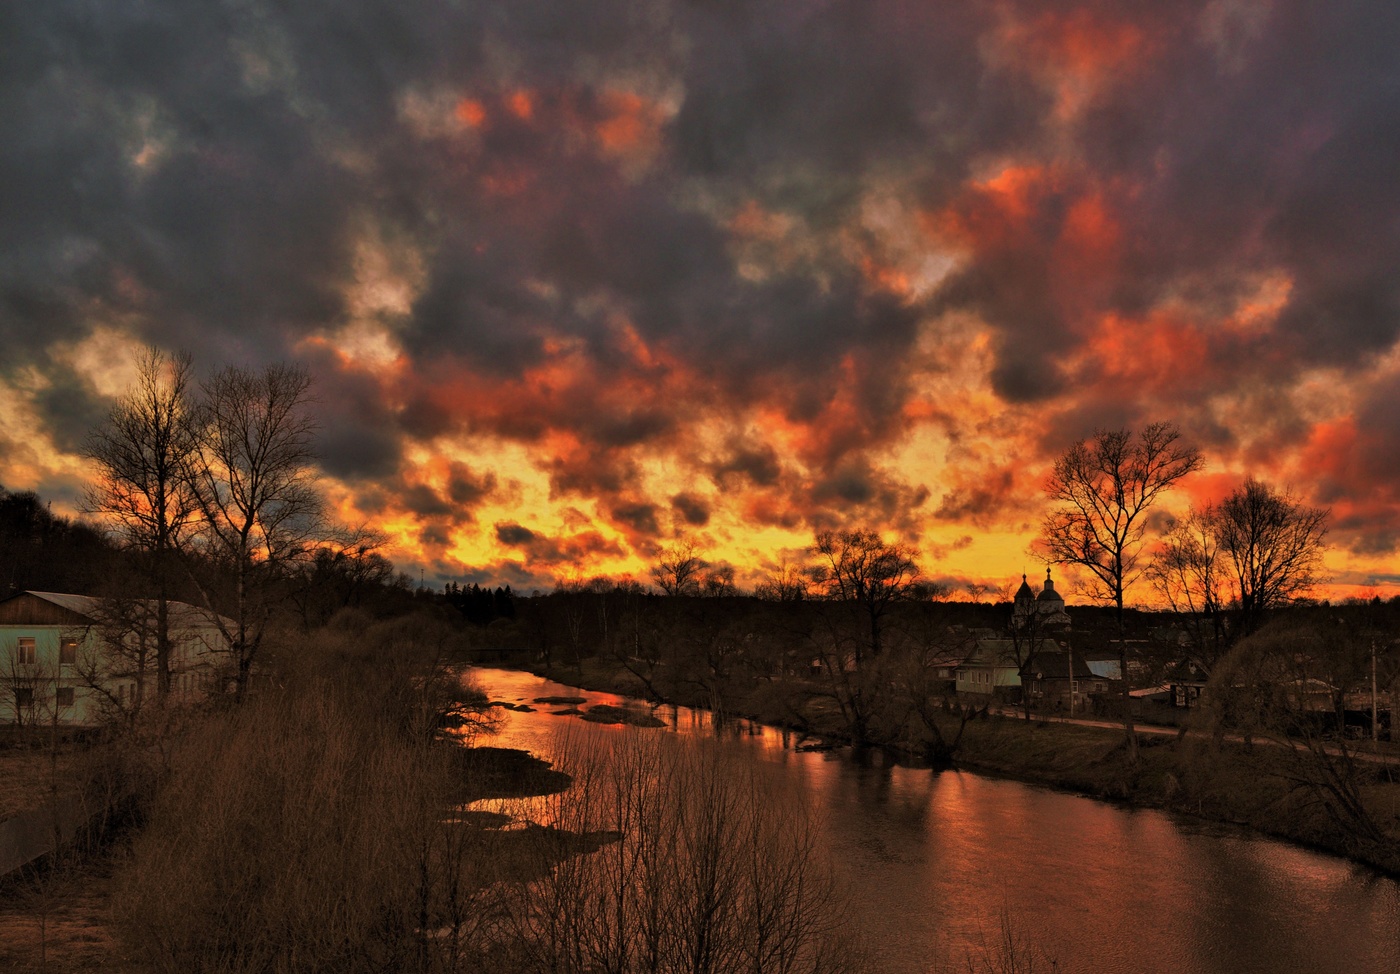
{"x": 936, "y": 860}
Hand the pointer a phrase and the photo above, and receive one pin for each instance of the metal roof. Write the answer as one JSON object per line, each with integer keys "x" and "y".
{"x": 181, "y": 613}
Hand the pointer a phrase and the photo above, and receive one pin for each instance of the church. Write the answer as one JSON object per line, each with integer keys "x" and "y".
{"x": 1042, "y": 612}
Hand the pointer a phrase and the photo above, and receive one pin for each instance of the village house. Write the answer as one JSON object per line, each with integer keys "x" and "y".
{"x": 989, "y": 671}
{"x": 79, "y": 660}
{"x": 1058, "y": 680}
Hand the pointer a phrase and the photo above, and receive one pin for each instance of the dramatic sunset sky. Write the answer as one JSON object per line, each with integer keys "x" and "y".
{"x": 576, "y": 279}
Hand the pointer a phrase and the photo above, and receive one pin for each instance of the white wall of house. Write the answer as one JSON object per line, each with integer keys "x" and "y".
{"x": 68, "y": 674}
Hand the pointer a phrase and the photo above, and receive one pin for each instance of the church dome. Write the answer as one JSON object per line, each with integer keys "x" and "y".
{"x": 1025, "y": 592}
{"x": 1048, "y": 593}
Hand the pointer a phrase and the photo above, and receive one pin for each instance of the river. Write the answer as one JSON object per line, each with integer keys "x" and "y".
{"x": 938, "y": 861}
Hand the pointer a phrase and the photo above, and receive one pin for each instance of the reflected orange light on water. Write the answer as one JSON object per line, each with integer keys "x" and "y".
{"x": 937, "y": 863}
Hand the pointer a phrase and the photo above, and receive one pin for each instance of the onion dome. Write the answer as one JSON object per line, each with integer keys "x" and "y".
{"x": 1048, "y": 593}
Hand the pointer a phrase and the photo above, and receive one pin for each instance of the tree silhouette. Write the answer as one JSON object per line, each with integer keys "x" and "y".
{"x": 145, "y": 454}
{"x": 1103, "y": 488}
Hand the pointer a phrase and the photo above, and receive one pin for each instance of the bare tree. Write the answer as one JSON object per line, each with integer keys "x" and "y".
{"x": 678, "y": 568}
{"x": 861, "y": 569}
{"x": 861, "y": 577}
{"x": 719, "y": 582}
{"x": 260, "y": 505}
{"x": 1103, "y": 488}
{"x": 1188, "y": 572}
{"x": 1027, "y": 636}
{"x": 145, "y": 453}
{"x": 1274, "y": 546}
{"x": 1227, "y": 566}
{"x": 786, "y": 582}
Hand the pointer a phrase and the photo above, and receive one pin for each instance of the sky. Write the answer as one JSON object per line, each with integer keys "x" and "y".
{"x": 577, "y": 282}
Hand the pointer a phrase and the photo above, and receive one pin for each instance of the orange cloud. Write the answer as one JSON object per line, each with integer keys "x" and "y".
{"x": 1330, "y": 453}
{"x": 471, "y": 113}
{"x": 1073, "y": 55}
{"x": 521, "y": 104}
{"x": 1153, "y": 355}
{"x": 995, "y": 213}
{"x": 630, "y": 125}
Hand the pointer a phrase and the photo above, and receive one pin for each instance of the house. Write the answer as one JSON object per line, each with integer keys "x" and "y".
{"x": 1057, "y": 680}
{"x": 1186, "y": 682}
{"x": 989, "y": 670}
{"x": 80, "y": 660}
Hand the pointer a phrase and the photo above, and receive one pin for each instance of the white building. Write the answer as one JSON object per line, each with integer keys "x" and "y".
{"x": 79, "y": 660}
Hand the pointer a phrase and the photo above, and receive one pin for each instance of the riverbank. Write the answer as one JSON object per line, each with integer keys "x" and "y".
{"x": 1308, "y": 799}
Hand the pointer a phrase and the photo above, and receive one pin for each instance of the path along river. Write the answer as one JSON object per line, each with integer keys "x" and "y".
{"x": 936, "y": 860}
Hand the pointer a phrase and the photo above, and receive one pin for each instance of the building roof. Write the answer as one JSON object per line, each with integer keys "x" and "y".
{"x": 1055, "y": 666}
{"x": 91, "y": 608}
{"x": 1109, "y": 669}
{"x": 1025, "y": 592}
{"x": 998, "y": 651}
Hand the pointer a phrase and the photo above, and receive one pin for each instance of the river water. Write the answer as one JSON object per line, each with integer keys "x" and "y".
{"x": 937, "y": 862}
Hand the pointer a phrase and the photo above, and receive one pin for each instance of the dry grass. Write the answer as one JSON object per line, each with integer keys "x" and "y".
{"x": 60, "y": 923}
{"x": 32, "y": 775}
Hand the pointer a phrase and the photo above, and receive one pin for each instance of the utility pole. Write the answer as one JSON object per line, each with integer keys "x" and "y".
{"x": 1375, "y": 723}
{"x": 1069, "y": 655}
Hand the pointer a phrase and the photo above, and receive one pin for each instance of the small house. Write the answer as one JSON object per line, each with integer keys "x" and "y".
{"x": 989, "y": 671}
{"x": 1057, "y": 680}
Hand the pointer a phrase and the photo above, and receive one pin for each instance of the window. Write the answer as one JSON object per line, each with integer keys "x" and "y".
{"x": 67, "y": 652}
{"x": 24, "y": 651}
{"x": 24, "y": 698}
{"x": 65, "y": 696}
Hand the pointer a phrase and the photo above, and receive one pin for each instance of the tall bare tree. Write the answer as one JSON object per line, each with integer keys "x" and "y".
{"x": 862, "y": 569}
{"x": 145, "y": 453}
{"x": 1103, "y": 488}
{"x": 256, "y": 491}
{"x": 1228, "y": 565}
{"x": 1274, "y": 546}
{"x": 862, "y": 576}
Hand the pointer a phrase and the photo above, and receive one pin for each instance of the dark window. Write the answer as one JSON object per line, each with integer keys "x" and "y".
{"x": 24, "y": 697}
{"x": 67, "y": 652}
{"x": 65, "y": 696}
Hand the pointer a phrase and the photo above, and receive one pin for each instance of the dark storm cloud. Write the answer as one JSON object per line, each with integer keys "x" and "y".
{"x": 71, "y": 409}
{"x": 357, "y": 438}
{"x": 514, "y": 535}
{"x": 467, "y": 488}
{"x": 208, "y": 174}
{"x": 758, "y": 464}
{"x": 692, "y": 509}
{"x": 638, "y": 518}
{"x": 857, "y": 494}
{"x": 543, "y": 553}
{"x": 424, "y": 501}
